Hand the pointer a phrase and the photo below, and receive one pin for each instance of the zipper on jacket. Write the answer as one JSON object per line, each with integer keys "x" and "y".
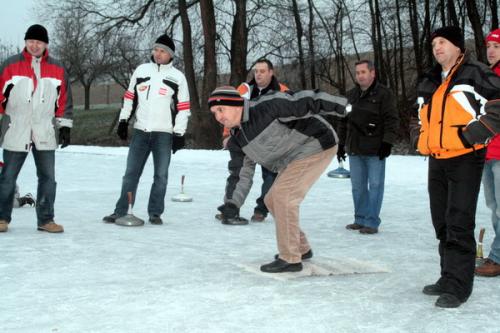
{"x": 244, "y": 136}
{"x": 147, "y": 94}
{"x": 445, "y": 97}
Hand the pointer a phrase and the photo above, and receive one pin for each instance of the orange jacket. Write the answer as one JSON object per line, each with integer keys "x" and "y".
{"x": 452, "y": 105}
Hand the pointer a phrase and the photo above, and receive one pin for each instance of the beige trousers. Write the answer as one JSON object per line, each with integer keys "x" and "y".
{"x": 284, "y": 198}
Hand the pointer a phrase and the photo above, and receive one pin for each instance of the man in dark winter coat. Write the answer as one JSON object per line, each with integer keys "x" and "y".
{"x": 371, "y": 127}
{"x": 288, "y": 135}
{"x": 459, "y": 111}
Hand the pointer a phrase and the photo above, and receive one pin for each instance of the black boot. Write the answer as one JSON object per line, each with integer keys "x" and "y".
{"x": 433, "y": 290}
{"x": 448, "y": 301}
{"x": 281, "y": 266}
{"x": 235, "y": 221}
{"x": 305, "y": 256}
{"x": 155, "y": 219}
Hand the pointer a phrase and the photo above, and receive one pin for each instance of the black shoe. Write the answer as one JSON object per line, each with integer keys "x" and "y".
{"x": 27, "y": 200}
{"x": 433, "y": 290}
{"x": 368, "y": 230}
{"x": 353, "y": 226}
{"x": 258, "y": 217}
{"x": 281, "y": 266}
{"x": 235, "y": 221}
{"x": 110, "y": 218}
{"x": 305, "y": 256}
{"x": 448, "y": 301}
{"x": 156, "y": 220}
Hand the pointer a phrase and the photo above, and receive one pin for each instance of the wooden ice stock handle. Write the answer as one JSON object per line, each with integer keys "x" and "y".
{"x": 129, "y": 195}
{"x": 481, "y": 235}
{"x": 182, "y": 180}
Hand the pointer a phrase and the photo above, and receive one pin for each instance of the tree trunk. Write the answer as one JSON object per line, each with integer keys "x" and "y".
{"x": 206, "y": 131}
{"x": 476, "y": 25}
{"x": 312, "y": 59}
{"x": 426, "y": 33}
{"x": 494, "y": 14}
{"x": 239, "y": 44}
{"x": 452, "y": 14}
{"x": 300, "y": 33}
{"x": 412, "y": 8}
{"x": 187, "y": 48}
{"x": 86, "y": 89}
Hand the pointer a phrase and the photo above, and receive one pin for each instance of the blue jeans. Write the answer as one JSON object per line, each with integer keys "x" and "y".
{"x": 143, "y": 143}
{"x": 367, "y": 179}
{"x": 46, "y": 192}
{"x": 491, "y": 183}
{"x": 268, "y": 178}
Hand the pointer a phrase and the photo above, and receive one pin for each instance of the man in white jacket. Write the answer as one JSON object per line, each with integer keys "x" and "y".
{"x": 158, "y": 96}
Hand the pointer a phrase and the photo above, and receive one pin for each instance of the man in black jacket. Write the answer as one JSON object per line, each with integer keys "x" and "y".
{"x": 287, "y": 134}
{"x": 372, "y": 123}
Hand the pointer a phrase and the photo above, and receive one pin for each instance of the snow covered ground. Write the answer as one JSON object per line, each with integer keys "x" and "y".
{"x": 187, "y": 275}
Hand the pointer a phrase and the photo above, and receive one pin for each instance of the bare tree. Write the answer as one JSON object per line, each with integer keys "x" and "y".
{"x": 85, "y": 58}
{"x": 477, "y": 28}
{"x": 239, "y": 44}
{"x": 7, "y": 50}
{"x": 300, "y": 33}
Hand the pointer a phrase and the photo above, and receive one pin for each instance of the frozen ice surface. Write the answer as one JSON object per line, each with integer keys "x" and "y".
{"x": 186, "y": 275}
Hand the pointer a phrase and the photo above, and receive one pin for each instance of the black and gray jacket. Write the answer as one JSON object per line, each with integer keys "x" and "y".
{"x": 276, "y": 129}
{"x": 371, "y": 119}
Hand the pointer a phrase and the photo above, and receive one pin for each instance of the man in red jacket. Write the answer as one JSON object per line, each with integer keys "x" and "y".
{"x": 36, "y": 115}
{"x": 491, "y": 172}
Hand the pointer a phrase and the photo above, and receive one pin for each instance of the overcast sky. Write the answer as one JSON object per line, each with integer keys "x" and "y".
{"x": 15, "y": 17}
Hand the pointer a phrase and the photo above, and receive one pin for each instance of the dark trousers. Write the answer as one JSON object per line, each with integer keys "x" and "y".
{"x": 454, "y": 185}
{"x": 141, "y": 145}
{"x": 46, "y": 191}
{"x": 268, "y": 178}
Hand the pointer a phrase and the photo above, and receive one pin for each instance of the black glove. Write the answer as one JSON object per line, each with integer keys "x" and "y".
{"x": 178, "y": 142}
{"x": 64, "y": 136}
{"x": 462, "y": 138}
{"x": 229, "y": 210}
{"x": 341, "y": 155}
{"x": 385, "y": 150}
{"x": 231, "y": 215}
{"x": 122, "y": 130}
{"x": 27, "y": 200}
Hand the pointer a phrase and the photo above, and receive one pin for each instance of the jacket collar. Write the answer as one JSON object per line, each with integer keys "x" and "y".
{"x": 273, "y": 85}
{"x": 29, "y": 57}
{"x": 162, "y": 67}
{"x": 435, "y": 73}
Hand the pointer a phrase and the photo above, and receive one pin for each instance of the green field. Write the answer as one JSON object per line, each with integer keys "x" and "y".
{"x": 95, "y": 127}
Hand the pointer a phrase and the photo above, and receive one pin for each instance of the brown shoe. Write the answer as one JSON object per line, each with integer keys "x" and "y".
{"x": 368, "y": 230}
{"x": 488, "y": 268}
{"x": 4, "y": 226}
{"x": 51, "y": 227}
{"x": 353, "y": 226}
{"x": 258, "y": 217}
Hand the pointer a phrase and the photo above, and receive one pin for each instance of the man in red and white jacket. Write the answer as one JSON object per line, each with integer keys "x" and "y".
{"x": 491, "y": 172}
{"x": 36, "y": 109}
{"x": 158, "y": 95}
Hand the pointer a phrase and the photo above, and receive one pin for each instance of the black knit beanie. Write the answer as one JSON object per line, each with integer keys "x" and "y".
{"x": 451, "y": 33}
{"x": 225, "y": 95}
{"x": 166, "y": 43}
{"x": 37, "y": 32}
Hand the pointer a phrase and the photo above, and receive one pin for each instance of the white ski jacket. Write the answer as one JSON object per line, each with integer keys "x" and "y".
{"x": 159, "y": 96}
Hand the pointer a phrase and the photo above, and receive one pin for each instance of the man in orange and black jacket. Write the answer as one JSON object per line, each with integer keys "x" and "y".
{"x": 459, "y": 112}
